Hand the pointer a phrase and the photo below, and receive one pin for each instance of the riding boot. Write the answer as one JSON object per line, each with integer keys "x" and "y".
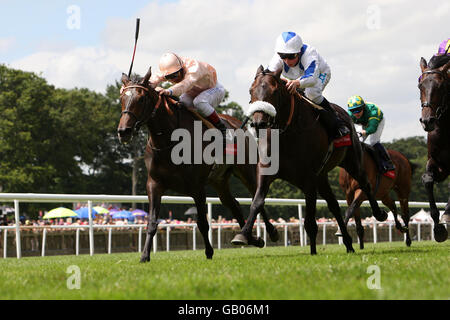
{"x": 335, "y": 126}
{"x": 385, "y": 159}
{"x": 215, "y": 120}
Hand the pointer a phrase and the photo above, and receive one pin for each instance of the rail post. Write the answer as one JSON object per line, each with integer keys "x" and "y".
{"x": 140, "y": 240}
{"x": 390, "y": 232}
{"x": 374, "y": 231}
{"x": 77, "y": 242}
{"x": 300, "y": 219}
{"x": 155, "y": 242}
{"x": 44, "y": 240}
{"x": 418, "y": 231}
{"x": 285, "y": 235}
{"x": 194, "y": 238}
{"x": 219, "y": 246}
{"x": 109, "y": 240}
{"x": 5, "y": 242}
{"x": 258, "y": 225}
{"x": 210, "y": 232}
{"x": 91, "y": 229}
{"x": 168, "y": 239}
{"x": 17, "y": 216}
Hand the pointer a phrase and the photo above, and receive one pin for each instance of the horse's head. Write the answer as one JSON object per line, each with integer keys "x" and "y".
{"x": 434, "y": 88}
{"x": 135, "y": 109}
{"x": 264, "y": 101}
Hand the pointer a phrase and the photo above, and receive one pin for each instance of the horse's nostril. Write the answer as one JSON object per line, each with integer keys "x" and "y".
{"x": 123, "y": 131}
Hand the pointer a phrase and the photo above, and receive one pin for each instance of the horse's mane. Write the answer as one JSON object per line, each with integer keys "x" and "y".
{"x": 438, "y": 61}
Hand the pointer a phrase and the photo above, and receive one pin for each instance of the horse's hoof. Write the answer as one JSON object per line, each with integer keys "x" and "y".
{"x": 361, "y": 247}
{"x": 408, "y": 242}
{"x": 260, "y": 243}
{"x": 239, "y": 240}
{"x": 144, "y": 259}
{"x": 440, "y": 233}
{"x": 274, "y": 235}
{"x": 350, "y": 250}
{"x": 383, "y": 216}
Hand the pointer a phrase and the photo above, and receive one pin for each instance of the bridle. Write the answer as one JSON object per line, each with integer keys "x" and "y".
{"x": 271, "y": 123}
{"x": 127, "y": 110}
{"x": 443, "y": 106}
{"x": 162, "y": 99}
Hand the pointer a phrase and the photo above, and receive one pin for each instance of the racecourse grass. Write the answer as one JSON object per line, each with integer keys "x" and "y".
{"x": 275, "y": 273}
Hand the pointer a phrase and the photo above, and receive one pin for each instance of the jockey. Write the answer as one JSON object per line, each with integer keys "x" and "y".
{"x": 371, "y": 118}
{"x": 195, "y": 82}
{"x": 304, "y": 68}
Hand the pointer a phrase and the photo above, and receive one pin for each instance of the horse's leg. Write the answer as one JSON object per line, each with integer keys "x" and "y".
{"x": 223, "y": 190}
{"x": 154, "y": 192}
{"x": 359, "y": 228}
{"x": 358, "y": 198}
{"x": 354, "y": 166}
{"x": 405, "y": 216}
{"x": 202, "y": 222}
{"x": 333, "y": 205}
{"x": 256, "y": 206}
{"x": 248, "y": 177}
{"x": 446, "y": 216}
{"x": 310, "y": 218}
{"x": 440, "y": 233}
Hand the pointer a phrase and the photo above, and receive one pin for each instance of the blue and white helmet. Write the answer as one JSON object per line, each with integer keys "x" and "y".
{"x": 288, "y": 42}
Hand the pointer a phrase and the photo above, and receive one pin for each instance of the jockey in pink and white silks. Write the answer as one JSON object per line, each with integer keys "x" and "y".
{"x": 195, "y": 82}
{"x": 304, "y": 68}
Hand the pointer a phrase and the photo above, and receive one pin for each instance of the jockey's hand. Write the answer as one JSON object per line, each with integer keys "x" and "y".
{"x": 121, "y": 89}
{"x": 165, "y": 92}
{"x": 292, "y": 85}
{"x": 364, "y": 133}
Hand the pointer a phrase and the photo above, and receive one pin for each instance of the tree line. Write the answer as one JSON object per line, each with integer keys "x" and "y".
{"x": 55, "y": 140}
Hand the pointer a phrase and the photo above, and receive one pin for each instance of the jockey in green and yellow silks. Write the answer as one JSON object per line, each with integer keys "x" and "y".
{"x": 372, "y": 120}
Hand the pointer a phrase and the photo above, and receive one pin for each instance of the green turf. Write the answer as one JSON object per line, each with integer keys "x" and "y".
{"x": 419, "y": 272}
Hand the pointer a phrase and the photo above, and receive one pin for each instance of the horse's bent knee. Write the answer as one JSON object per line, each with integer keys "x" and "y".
{"x": 427, "y": 179}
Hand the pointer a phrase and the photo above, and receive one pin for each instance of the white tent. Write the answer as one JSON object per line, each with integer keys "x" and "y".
{"x": 422, "y": 216}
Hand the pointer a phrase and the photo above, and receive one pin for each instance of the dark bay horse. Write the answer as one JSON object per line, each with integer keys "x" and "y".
{"x": 382, "y": 185}
{"x": 303, "y": 146}
{"x": 142, "y": 105}
{"x": 434, "y": 88}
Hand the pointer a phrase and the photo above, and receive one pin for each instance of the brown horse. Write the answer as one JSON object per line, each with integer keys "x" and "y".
{"x": 381, "y": 185}
{"x": 142, "y": 105}
{"x": 304, "y": 160}
{"x": 434, "y": 88}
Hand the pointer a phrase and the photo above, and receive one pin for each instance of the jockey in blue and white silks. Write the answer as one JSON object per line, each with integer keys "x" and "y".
{"x": 304, "y": 68}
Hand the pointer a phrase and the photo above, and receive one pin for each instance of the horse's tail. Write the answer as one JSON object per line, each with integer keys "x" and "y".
{"x": 413, "y": 166}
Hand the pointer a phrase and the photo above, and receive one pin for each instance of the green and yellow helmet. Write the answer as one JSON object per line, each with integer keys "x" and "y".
{"x": 355, "y": 102}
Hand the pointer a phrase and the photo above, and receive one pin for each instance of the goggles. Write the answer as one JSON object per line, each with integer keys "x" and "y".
{"x": 288, "y": 56}
{"x": 357, "y": 110}
{"x": 173, "y": 75}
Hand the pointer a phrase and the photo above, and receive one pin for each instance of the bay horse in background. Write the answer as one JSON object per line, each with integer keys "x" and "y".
{"x": 142, "y": 105}
{"x": 434, "y": 86}
{"x": 382, "y": 185}
{"x": 304, "y": 160}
